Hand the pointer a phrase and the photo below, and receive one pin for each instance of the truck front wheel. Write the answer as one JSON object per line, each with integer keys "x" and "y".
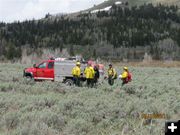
{"x": 29, "y": 78}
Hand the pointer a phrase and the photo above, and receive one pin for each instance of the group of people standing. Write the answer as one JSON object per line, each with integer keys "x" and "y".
{"x": 92, "y": 75}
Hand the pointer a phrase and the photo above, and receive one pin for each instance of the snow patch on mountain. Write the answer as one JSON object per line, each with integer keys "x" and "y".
{"x": 95, "y": 11}
{"x": 103, "y": 9}
{"x": 118, "y": 2}
{"x": 106, "y": 8}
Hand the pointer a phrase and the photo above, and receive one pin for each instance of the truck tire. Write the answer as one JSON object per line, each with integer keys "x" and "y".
{"x": 69, "y": 82}
{"x": 29, "y": 78}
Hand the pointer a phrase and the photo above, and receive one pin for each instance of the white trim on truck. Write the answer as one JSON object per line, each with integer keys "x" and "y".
{"x": 43, "y": 78}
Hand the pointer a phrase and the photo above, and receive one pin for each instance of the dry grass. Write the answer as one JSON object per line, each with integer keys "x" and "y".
{"x": 51, "y": 108}
{"x": 153, "y": 63}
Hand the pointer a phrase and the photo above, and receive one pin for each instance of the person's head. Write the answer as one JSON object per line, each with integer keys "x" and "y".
{"x": 96, "y": 67}
{"x": 110, "y": 65}
{"x": 78, "y": 64}
{"x": 125, "y": 68}
{"x": 89, "y": 63}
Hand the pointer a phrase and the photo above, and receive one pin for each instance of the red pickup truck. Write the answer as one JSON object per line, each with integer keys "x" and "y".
{"x": 42, "y": 71}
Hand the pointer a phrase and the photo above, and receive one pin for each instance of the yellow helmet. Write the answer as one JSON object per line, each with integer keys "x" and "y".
{"x": 125, "y": 68}
{"x": 78, "y": 63}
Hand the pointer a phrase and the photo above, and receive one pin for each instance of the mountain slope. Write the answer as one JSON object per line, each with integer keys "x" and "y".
{"x": 102, "y": 34}
{"x": 169, "y": 2}
{"x": 106, "y": 4}
{"x": 109, "y": 3}
{"x": 135, "y": 2}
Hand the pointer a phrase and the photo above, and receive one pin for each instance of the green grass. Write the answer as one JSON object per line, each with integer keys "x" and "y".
{"x": 51, "y": 108}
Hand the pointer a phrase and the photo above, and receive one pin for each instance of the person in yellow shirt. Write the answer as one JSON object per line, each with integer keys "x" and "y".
{"x": 76, "y": 72}
{"x": 89, "y": 73}
{"x": 125, "y": 76}
{"x": 112, "y": 75}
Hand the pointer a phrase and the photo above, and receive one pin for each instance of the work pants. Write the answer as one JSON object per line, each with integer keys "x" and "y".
{"x": 90, "y": 82}
{"x": 124, "y": 81}
{"x": 76, "y": 80}
{"x": 111, "y": 80}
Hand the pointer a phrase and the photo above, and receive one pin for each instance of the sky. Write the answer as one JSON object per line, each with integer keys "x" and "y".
{"x": 14, "y": 10}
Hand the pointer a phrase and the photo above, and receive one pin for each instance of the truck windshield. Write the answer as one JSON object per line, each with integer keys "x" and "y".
{"x": 42, "y": 65}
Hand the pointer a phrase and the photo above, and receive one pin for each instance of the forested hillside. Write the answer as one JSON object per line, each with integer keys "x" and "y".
{"x": 123, "y": 32}
{"x": 166, "y": 2}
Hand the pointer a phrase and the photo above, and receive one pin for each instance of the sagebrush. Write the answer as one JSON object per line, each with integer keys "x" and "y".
{"x": 51, "y": 108}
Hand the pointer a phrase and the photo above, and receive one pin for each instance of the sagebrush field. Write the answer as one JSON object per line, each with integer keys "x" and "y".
{"x": 51, "y": 108}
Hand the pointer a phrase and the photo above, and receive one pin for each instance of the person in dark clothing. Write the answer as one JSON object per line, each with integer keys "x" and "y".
{"x": 96, "y": 75}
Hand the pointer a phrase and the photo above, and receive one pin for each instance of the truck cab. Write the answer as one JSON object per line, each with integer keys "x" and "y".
{"x": 41, "y": 71}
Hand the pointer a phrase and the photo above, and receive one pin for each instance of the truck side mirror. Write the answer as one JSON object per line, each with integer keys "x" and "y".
{"x": 34, "y": 66}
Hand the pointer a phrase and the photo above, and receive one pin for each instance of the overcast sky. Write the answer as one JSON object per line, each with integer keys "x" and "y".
{"x": 13, "y": 10}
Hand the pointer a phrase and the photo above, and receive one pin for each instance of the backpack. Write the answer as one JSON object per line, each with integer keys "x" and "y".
{"x": 129, "y": 78}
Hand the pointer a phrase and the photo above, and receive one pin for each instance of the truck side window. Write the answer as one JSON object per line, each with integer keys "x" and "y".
{"x": 50, "y": 65}
{"x": 43, "y": 65}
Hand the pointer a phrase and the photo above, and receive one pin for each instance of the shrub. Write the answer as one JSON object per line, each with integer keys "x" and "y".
{"x": 11, "y": 120}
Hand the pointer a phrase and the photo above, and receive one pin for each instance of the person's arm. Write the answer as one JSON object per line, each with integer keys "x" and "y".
{"x": 114, "y": 73}
{"x": 85, "y": 70}
{"x": 97, "y": 73}
{"x": 78, "y": 72}
{"x": 93, "y": 72}
{"x": 72, "y": 71}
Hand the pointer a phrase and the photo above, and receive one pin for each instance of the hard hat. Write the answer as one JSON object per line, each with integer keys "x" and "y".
{"x": 110, "y": 64}
{"x": 78, "y": 63}
{"x": 125, "y": 68}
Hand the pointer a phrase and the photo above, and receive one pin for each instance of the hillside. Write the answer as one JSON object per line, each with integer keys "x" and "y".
{"x": 108, "y": 3}
{"x": 169, "y": 2}
{"x": 105, "y": 4}
{"x": 115, "y": 32}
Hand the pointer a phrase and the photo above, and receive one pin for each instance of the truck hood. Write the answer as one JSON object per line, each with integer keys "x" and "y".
{"x": 29, "y": 70}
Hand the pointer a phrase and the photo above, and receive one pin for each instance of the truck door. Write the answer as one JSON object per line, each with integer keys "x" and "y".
{"x": 49, "y": 72}
{"x": 40, "y": 71}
